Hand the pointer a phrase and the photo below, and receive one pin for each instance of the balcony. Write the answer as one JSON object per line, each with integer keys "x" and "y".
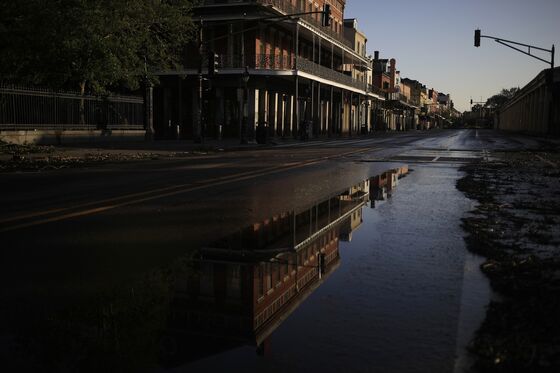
{"x": 376, "y": 90}
{"x": 286, "y": 7}
{"x": 329, "y": 74}
{"x": 259, "y": 61}
{"x": 287, "y": 62}
{"x": 397, "y": 96}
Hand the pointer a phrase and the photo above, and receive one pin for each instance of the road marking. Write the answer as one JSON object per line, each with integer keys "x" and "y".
{"x": 164, "y": 192}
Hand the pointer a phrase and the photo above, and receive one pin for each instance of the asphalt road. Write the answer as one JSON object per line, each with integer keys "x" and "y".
{"x": 100, "y": 226}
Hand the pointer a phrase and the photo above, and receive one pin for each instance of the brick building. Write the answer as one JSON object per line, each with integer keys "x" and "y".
{"x": 285, "y": 77}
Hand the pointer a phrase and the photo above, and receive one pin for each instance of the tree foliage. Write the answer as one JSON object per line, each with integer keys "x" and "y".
{"x": 93, "y": 45}
{"x": 501, "y": 98}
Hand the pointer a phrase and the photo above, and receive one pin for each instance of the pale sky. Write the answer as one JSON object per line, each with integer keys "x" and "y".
{"x": 433, "y": 41}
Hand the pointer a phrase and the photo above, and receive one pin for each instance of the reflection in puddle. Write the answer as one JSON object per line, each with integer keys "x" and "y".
{"x": 245, "y": 285}
{"x": 234, "y": 292}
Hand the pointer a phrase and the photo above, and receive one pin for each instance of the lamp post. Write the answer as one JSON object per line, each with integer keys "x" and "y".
{"x": 245, "y": 113}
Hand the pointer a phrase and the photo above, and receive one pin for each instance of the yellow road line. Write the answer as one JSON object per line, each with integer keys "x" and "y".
{"x": 167, "y": 192}
{"x": 126, "y": 196}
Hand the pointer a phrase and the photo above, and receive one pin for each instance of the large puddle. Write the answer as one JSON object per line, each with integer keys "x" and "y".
{"x": 374, "y": 278}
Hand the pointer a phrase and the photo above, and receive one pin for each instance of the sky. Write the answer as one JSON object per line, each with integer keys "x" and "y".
{"x": 433, "y": 41}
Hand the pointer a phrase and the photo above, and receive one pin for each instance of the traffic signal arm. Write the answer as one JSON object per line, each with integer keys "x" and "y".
{"x": 513, "y": 44}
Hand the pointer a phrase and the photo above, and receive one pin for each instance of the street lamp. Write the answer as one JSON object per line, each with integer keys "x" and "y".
{"x": 245, "y": 114}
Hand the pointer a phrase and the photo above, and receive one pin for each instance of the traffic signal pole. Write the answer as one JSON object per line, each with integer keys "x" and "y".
{"x": 510, "y": 44}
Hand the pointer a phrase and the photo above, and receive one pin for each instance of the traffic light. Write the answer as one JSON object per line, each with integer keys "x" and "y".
{"x": 213, "y": 63}
{"x": 326, "y": 16}
{"x": 477, "y": 38}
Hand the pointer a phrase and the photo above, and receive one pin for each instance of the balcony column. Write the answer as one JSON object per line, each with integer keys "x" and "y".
{"x": 280, "y": 101}
{"x": 230, "y": 51}
{"x": 310, "y": 97}
{"x": 243, "y": 61}
{"x": 319, "y": 117}
{"x": 280, "y": 48}
{"x": 252, "y": 105}
{"x": 359, "y": 108}
{"x": 317, "y": 122}
{"x": 352, "y": 114}
{"x": 295, "y": 110}
{"x": 343, "y": 112}
{"x": 330, "y": 115}
{"x": 313, "y": 54}
{"x": 367, "y": 112}
{"x": 262, "y": 107}
{"x": 332, "y": 56}
{"x": 272, "y": 112}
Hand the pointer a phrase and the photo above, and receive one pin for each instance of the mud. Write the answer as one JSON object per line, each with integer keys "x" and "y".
{"x": 516, "y": 228}
{"x": 40, "y": 158}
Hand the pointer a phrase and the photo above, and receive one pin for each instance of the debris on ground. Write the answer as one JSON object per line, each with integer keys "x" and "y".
{"x": 516, "y": 227}
{"x": 38, "y": 158}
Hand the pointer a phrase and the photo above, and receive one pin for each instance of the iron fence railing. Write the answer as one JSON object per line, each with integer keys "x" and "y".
{"x": 33, "y": 108}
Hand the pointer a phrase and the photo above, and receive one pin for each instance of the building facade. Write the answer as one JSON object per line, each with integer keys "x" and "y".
{"x": 278, "y": 75}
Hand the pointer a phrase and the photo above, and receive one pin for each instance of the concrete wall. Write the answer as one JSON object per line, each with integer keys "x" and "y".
{"x": 536, "y": 108}
{"x": 57, "y": 137}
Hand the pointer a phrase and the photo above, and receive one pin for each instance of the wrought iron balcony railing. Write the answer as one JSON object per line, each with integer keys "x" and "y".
{"x": 286, "y": 7}
{"x": 397, "y": 96}
{"x": 281, "y": 62}
{"x": 329, "y": 74}
{"x": 378, "y": 91}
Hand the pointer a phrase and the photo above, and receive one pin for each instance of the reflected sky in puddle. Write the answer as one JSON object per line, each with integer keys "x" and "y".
{"x": 360, "y": 281}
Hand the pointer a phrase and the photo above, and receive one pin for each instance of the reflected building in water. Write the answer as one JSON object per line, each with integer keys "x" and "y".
{"x": 382, "y": 185}
{"x": 242, "y": 287}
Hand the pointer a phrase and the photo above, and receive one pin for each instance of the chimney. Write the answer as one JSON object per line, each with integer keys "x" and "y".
{"x": 376, "y": 55}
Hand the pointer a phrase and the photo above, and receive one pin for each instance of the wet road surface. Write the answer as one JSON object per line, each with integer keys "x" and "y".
{"x": 73, "y": 238}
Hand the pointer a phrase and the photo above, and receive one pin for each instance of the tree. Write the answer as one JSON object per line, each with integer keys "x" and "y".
{"x": 92, "y": 45}
{"x": 496, "y": 101}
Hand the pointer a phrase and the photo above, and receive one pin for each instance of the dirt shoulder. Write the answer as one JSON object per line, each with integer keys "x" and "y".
{"x": 38, "y": 158}
{"x": 516, "y": 226}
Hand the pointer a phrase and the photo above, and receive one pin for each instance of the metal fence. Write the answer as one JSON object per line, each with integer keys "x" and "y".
{"x": 32, "y": 108}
